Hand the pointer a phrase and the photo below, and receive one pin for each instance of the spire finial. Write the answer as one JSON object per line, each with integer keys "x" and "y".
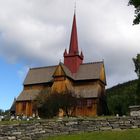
{"x": 75, "y": 7}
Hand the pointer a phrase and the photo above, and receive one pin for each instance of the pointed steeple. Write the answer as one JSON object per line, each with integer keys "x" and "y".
{"x": 73, "y": 49}
{"x": 72, "y": 58}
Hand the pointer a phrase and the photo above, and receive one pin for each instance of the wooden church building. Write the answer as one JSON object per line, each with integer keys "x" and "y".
{"x": 87, "y": 80}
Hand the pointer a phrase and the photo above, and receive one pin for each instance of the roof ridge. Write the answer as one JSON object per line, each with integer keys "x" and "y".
{"x": 43, "y": 67}
{"x": 92, "y": 63}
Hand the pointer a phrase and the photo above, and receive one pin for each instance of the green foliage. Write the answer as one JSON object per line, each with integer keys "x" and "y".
{"x": 49, "y": 104}
{"x": 108, "y": 135}
{"x": 67, "y": 102}
{"x": 137, "y": 65}
{"x": 40, "y": 103}
{"x": 137, "y": 70}
{"x": 136, "y": 4}
{"x": 120, "y": 97}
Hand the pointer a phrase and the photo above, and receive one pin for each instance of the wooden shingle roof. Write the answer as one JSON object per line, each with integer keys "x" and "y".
{"x": 39, "y": 75}
{"x": 28, "y": 95}
{"x": 89, "y": 71}
{"x": 86, "y": 71}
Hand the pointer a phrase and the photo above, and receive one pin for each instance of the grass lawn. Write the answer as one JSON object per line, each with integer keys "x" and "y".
{"x": 133, "y": 134}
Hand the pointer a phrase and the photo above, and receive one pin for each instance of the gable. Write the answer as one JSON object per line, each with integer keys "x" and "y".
{"x": 62, "y": 85}
{"x": 59, "y": 71}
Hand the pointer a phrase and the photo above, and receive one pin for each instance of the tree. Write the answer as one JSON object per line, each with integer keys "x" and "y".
{"x": 67, "y": 101}
{"x": 40, "y": 105}
{"x": 120, "y": 97}
{"x": 136, "y": 4}
{"x": 119, "y": 103}
{"x": 49, "y": 104}
{"x": 137, "y": 65}
{"x": 137, "y": 70}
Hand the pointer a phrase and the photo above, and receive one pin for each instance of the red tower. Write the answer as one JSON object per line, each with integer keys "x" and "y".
{"x": 73, "y": 59}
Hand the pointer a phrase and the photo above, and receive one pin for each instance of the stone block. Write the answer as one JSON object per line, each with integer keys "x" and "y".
{"x": 114, "y": 126}
{"x": 134, "y": 127}
{"x": 105, "y": 128}
{"x": 16, "y": 133}
{"x": 12, "y": 138}
{"x": 71, "y": 123}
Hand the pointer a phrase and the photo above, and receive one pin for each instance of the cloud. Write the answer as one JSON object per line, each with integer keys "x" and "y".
{"x": 37, "y": 32}
{"x": 26, "y": 37}
{"x": 111, "y": 37}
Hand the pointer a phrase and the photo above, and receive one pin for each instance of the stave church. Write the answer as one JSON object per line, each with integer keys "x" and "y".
{"x": 87, "y": 80}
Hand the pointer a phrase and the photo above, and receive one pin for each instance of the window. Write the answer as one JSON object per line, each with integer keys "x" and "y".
{"x": 89, "y": 103}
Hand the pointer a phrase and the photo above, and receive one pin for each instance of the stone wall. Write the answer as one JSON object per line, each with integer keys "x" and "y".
{"x": 37, "y": 129}
{"x": 134, "y": 110}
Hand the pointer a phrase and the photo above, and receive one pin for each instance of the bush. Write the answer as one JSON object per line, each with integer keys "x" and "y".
{"x": 48, "y": 105}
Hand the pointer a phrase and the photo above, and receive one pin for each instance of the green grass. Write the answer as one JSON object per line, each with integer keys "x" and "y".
{"x": 133, "y": 134}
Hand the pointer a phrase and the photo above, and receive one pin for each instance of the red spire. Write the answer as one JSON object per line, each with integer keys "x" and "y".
{"x": 73, "y": 59}
{"x": 73, "y": 49}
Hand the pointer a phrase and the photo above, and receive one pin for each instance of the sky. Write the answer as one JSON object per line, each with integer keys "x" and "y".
{"x": 35, "y": 33}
